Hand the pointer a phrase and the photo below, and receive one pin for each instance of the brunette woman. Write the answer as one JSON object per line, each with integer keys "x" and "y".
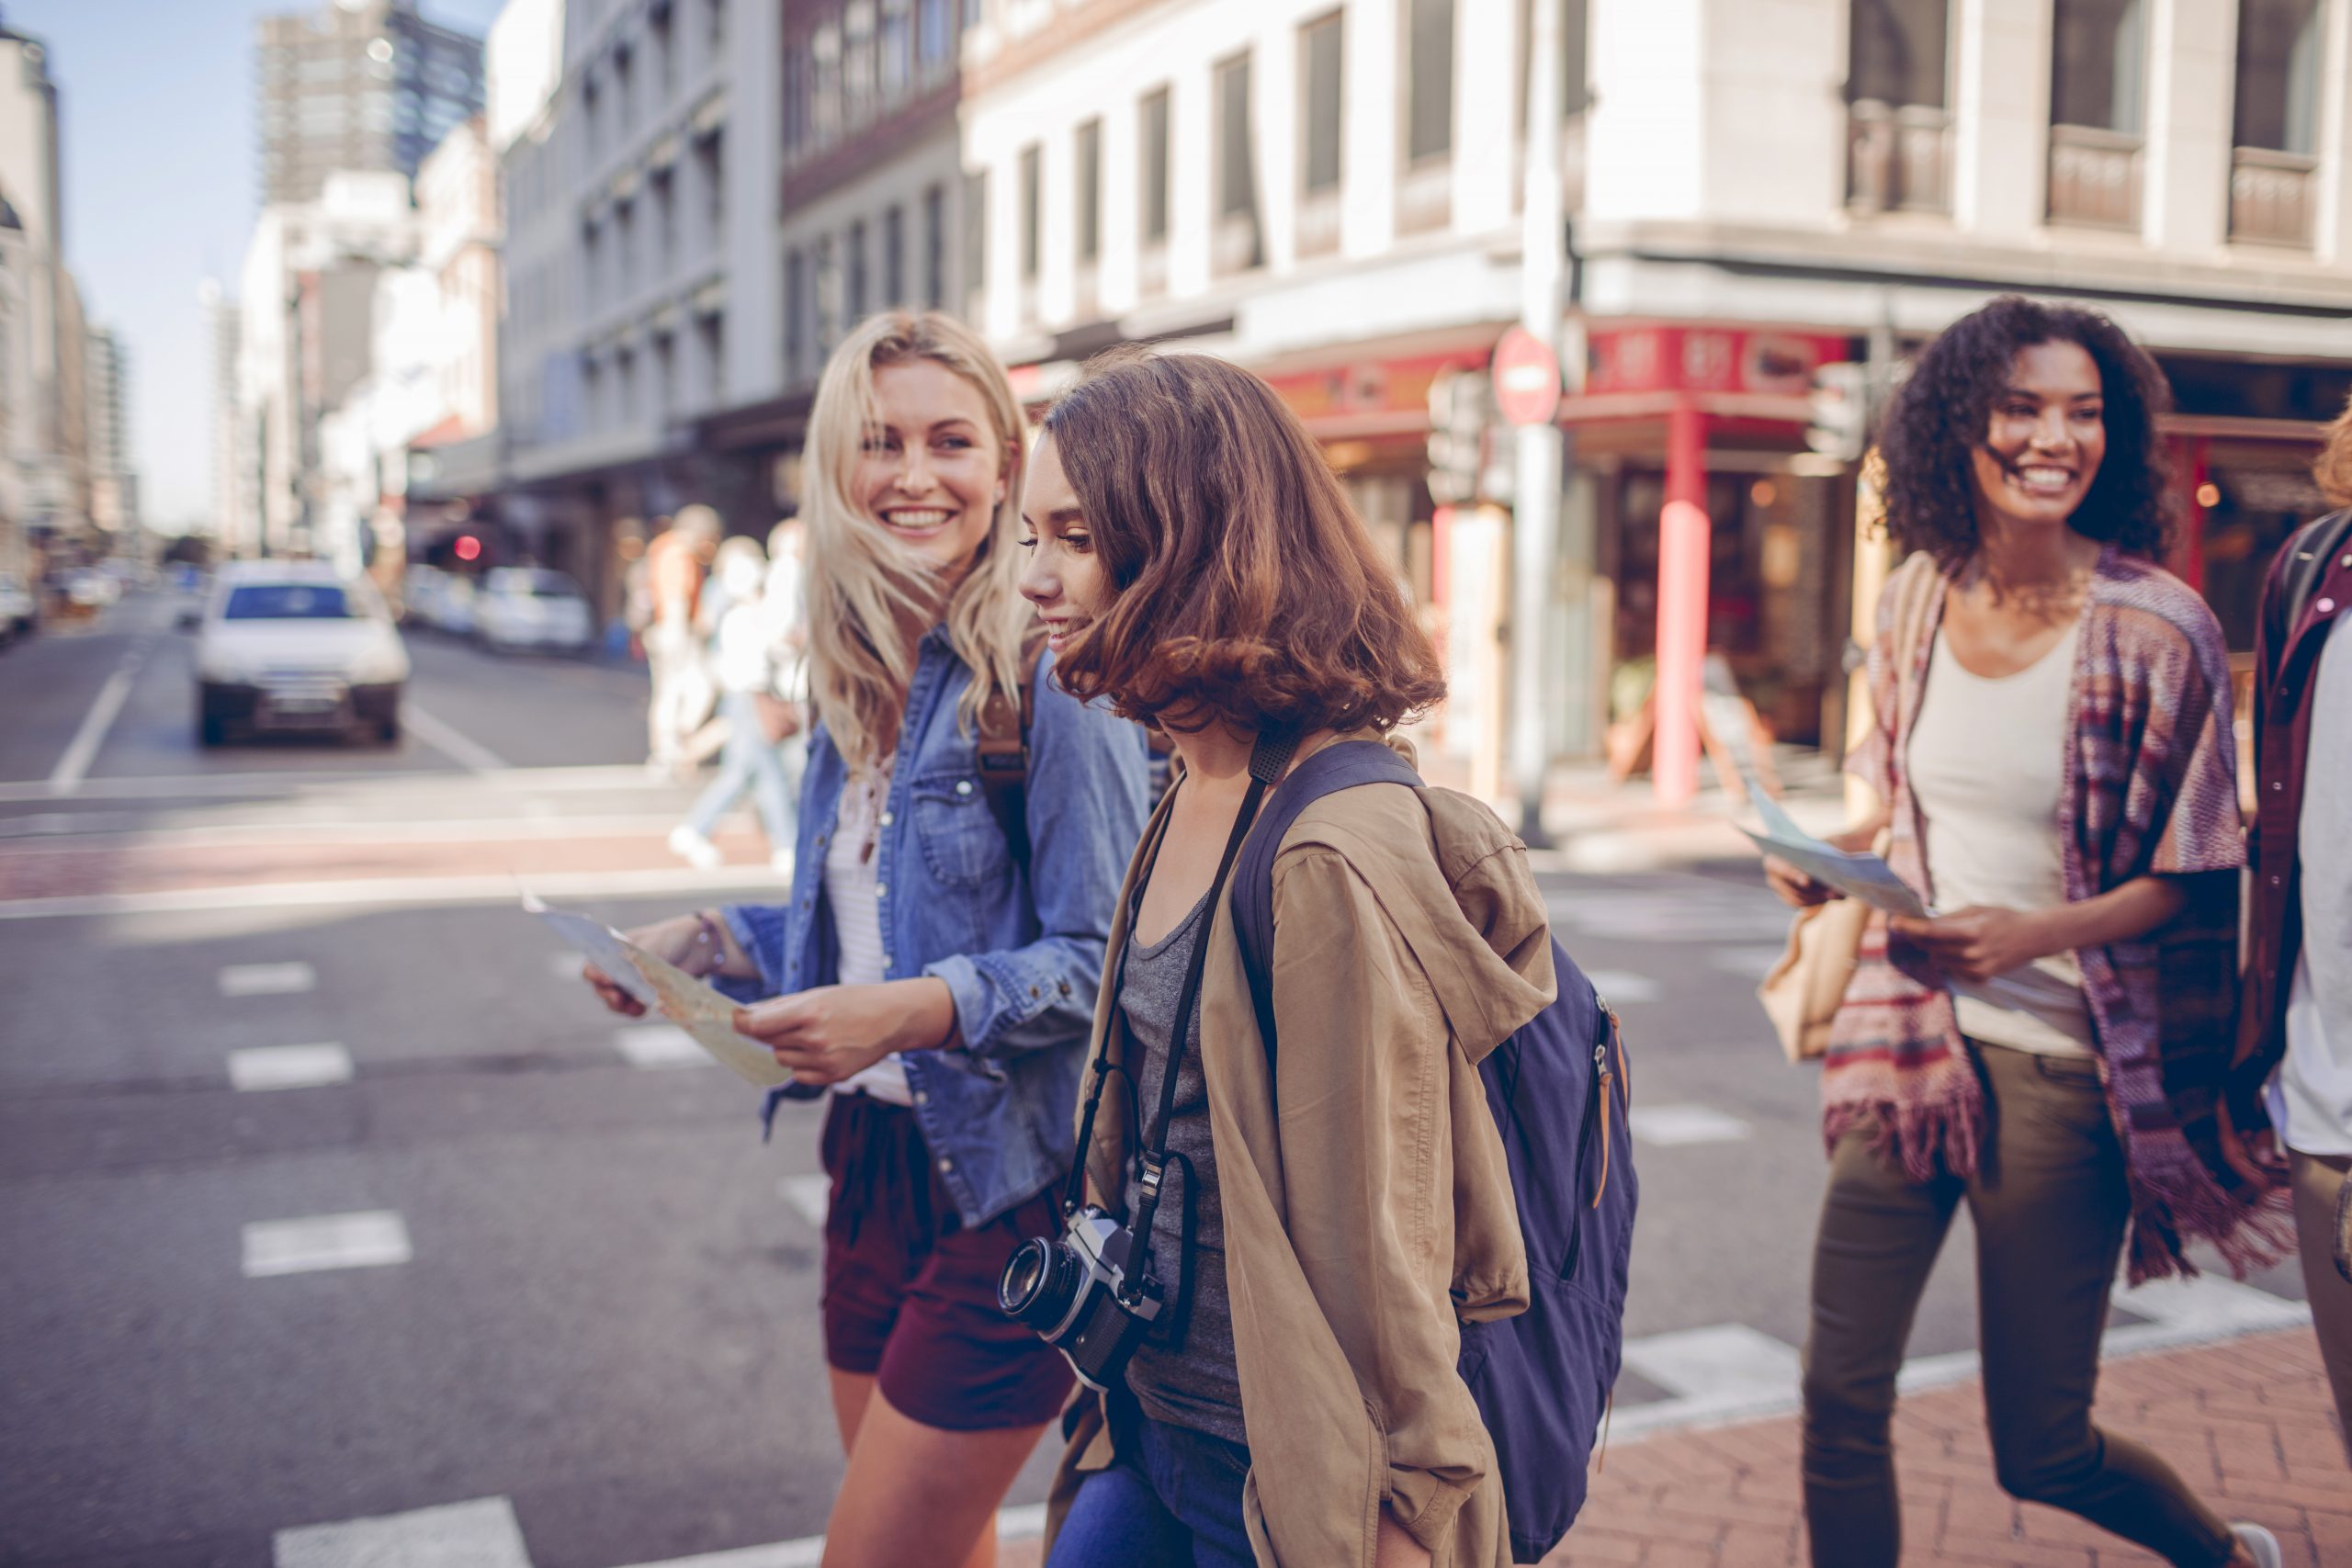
{"x": 2054, "y": 755}
{"x": 1328, "y": 1222}
{"x": 938, "y": 983}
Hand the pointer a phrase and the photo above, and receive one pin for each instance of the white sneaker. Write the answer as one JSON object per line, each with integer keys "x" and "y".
{"x": 694, "y": 849}
{"x": 2260, "y": 1544}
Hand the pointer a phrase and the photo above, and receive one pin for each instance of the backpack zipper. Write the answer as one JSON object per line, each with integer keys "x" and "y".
{"x": 1593, "y": 1112}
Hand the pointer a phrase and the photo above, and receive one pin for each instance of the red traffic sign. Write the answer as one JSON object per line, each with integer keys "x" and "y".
{"x": 1527, "y": 378}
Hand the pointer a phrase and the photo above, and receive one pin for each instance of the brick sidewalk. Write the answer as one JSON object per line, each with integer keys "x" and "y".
{"x": 2248, "y": 1424}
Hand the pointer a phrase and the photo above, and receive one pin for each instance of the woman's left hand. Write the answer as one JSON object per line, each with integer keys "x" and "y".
{"x": 833, "y": 1033}
{"x": 1978, "y": 943}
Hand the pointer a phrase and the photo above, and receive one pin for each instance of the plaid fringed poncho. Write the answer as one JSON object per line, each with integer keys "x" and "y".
{"x": 2151, "y": 787}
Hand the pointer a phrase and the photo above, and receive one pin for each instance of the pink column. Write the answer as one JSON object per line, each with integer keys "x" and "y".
{"x": 1682, "y": 567}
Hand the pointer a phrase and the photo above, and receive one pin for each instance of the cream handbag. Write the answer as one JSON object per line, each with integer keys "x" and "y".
{"x": 1802, "y": 993}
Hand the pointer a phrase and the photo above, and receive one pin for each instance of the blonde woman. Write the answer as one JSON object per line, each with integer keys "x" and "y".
{"x": 938, "y": 980}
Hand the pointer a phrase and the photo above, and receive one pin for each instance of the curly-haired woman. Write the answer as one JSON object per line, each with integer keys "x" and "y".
{"x": 2053, "y": 754}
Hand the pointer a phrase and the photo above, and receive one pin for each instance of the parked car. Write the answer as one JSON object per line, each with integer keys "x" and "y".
{"x": 293, "y": 646}
{"x": 19, "y": 612}
{"x": 523, "y": 606}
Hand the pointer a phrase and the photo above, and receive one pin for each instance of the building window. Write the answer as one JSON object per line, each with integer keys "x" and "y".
{"x": 1321, "y": 95}
{"x": 934, "y": 248}
{"x": 796, "y": 99}
{"x": 935, "y": 34}
{"x": 825, "y": 76}
{"x": 1089, "y": 171}
{"x": 828, "y": 297}
{"x": 857, "y": 301}
{"x": 1428, "y": 89}
{"x": 2098, "y": 71}
{"x": 1898, "y": 127}
{"x": 975, "y": 13}
{"x": 2274, "y": 169}
{"x": 898, "y": 50}
{"x": 894, "y": 257}
{"x": 1152, "y": 153}
{"x": 795, "y": 311}
{"x": 1236, "y": 246}
{"x": 1032, "y": 215}
{"x": 857, "y": 62}
{"x": 975, "y": 241}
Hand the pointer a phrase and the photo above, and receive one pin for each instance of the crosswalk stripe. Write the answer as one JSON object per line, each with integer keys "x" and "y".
{"x": 480, "y": 1534}
{"x": 659, "y": 1046}
{"x": 268, "y": 979}
{"x": 1623, "y": 986}
{"x": 811, "y": 1197}
{"x": 289, "y": 1066}
{"x": 371, "y": 1239}
{"x": 1668, "y": 1125}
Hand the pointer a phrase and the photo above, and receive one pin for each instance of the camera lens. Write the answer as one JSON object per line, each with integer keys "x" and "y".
{"x": 1033, "y": 1289}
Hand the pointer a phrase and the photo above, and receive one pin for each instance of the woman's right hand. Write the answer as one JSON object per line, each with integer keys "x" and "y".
{"x": 1794, "y": 887}
{"x": 669, "y": 940}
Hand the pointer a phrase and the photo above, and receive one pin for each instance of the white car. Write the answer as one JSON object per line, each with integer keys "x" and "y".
{"x": 18, "y": 614}
{"x": 294, "y": 646}
{"x": 522, "y": 606}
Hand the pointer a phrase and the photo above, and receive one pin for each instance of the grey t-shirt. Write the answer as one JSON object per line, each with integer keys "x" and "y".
{"x": 1184, "y": 1373}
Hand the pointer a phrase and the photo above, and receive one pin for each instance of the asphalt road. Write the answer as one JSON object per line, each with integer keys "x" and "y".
{"x": 592, "y": 1291}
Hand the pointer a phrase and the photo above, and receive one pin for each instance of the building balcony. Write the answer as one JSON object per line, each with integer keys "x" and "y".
{"x": 1898, "y": 158}
{"x": 2095, "y": 177}
{"x": 1234, "y": 246}
{"x": 1151, "y": 269}
{"x": 1319, "y": 223}
{"x": 2272, "y": 195}
{"x": 1425, "y": 196}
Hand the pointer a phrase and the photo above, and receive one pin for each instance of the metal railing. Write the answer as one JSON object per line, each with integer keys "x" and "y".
{"x": 2095, "y": 176}
{"x": 1233, "y": 244}
{"x": 2272, "y": 195}
{"x": 1898, "y": 157}
{"x": 1319, "y": 223}
{"x": 1425, "y": 196}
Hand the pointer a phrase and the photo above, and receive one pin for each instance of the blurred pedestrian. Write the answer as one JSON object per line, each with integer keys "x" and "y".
{"x": 1199, "y": 565}
{"x": 675, "y": 563}
{"x": 763, "y": 744}
{"x": 2053, "y": 750}
{"x": 934, "y": 966}
{"x": 2296, "y": 1027}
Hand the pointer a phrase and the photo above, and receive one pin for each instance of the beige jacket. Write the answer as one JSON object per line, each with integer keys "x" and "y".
{"x": 1372, "y": 1213}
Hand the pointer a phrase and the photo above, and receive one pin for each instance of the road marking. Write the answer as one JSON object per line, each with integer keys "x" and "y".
{"x": 566, "y": 966}
{"x": 659, "y": 1046}
{"x": 1667, "y": 1125}
{"x": 809, "y": 1195}
{"x": 1747, "y": 962}
{"x": 1024, "y": 1521}
{"x": 566, "y": 779}
{"x": 482, "y": 1534}
{"x": 1729, "y": 1361}
{"x": 467, "y": 753}
{"x": 268, "y": 979}
{"x": 1622, "y": 985}
{"x": 83, "y": 750}
{"x": 258, "y": 1068}
{"x": 2205, "y": 1306}
{"x": 367, "y": 1240}
{"x": 392, "y": 891}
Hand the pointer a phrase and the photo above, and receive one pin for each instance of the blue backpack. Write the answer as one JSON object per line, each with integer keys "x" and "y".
{"x": 1558, "y": 1092}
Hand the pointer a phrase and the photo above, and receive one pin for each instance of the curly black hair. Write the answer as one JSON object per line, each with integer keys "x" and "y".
{"x": 1944, "y": 411}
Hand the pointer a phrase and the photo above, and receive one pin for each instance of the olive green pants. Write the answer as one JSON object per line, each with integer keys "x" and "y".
{"x": 2049, "y": 1205}
{"x": 2317, "y": 1180}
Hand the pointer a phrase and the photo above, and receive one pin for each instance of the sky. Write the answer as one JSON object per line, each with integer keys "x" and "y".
{"x": 156, "y": 101}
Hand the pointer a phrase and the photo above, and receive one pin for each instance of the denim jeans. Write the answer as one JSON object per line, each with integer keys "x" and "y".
{"x": 770, "y": 771}
{"x": 1174, "y": 1502}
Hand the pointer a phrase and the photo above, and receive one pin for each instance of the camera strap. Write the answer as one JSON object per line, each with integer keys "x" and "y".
{"x": 1268, "y": 760}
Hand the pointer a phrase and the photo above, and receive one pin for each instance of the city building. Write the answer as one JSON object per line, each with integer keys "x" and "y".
{"x": 640, "y": 182}
{"x": 114, "y": 487}
{"x": 233, "y": 476}
{"x": 48, "y": 493}
{"x": 1329, "y": 193}
{"x": 357, "y": 84}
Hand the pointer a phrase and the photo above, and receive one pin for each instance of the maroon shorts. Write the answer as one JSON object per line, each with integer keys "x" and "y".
{"x": 910, "y": 1291}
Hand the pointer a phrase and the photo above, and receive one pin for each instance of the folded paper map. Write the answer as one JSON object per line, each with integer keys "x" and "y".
{"x": 693, "y": 1006}
{"x": 1864, "y": 876}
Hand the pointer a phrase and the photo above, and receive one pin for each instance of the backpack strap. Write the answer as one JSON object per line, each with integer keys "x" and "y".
{"x": 2314, "y": 550}
{"x": 1004, "y": 748}
{"x": 1336, "y": 767}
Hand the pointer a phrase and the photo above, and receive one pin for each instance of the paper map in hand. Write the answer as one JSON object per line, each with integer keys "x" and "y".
{"x": 691, "y": 1005}
{"x": 1864, "y": 876}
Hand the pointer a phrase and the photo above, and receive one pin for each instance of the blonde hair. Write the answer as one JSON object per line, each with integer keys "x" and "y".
{"x": 870, "y": 597}
{"x": 2334, "y": 470}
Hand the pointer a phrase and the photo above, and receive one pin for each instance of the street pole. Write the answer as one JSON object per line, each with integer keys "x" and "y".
{"x": 1536, "y": 517}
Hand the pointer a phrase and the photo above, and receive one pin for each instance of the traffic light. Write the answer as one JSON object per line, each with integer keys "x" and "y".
{"x": 1841, "y": 411}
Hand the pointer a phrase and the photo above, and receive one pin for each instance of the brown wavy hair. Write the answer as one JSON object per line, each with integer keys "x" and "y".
{"x": 1247, "y": 590}
{"x": 2334, "y": 470}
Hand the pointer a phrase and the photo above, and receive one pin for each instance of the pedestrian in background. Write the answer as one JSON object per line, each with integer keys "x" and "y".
{"x": 675, "y": 563}
{"x": 2052, "y": 748}
{"x": 1319, "y": 1249}
{"x": 937, "y": 982}
{"x": 753, "y": 669}
{"x": 2296, "y": 1027}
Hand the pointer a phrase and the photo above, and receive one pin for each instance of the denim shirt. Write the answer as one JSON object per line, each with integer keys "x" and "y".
{"x": 1022, "y": 953}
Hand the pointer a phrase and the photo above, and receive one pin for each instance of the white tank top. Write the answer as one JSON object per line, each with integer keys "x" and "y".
{"x": 850, "y": 894}
{"x": 1987, "y": 764}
